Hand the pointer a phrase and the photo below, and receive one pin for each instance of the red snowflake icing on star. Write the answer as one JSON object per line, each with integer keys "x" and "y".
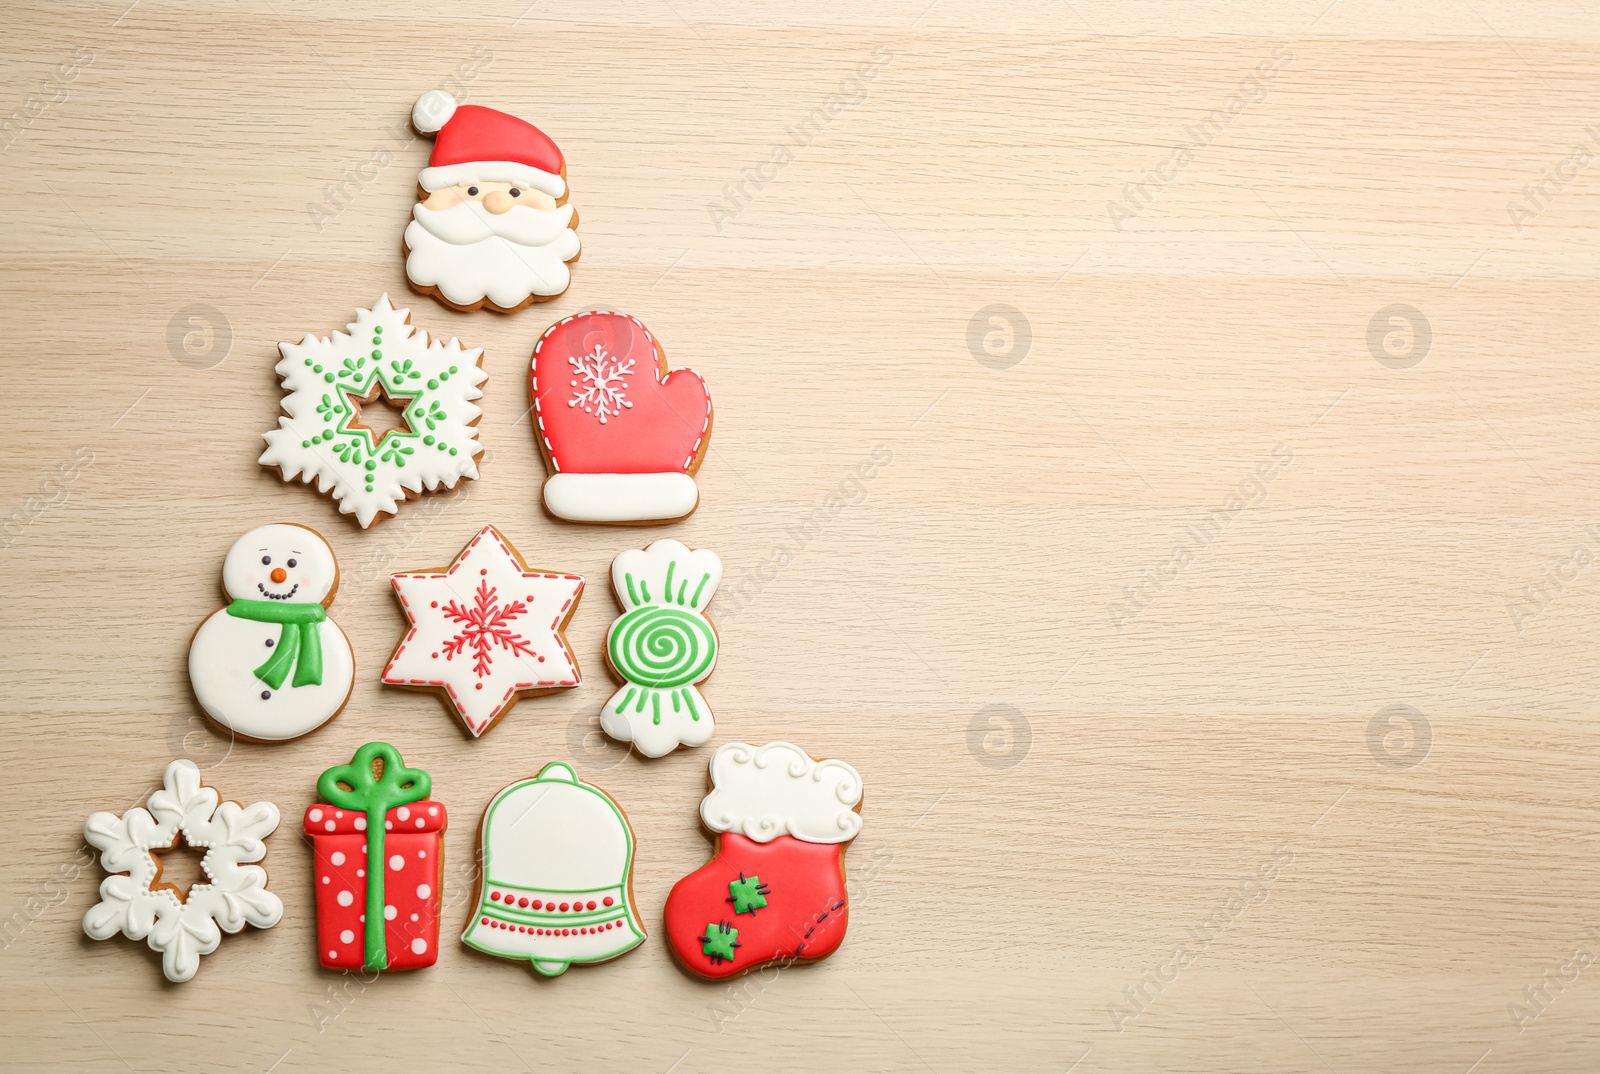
{"x": 485, "y": 626}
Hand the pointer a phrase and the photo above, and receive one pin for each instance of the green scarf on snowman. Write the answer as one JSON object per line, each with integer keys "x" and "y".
{"x": 299, "y": 645}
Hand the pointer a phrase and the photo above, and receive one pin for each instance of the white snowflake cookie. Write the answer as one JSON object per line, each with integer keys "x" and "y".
{"x": 321, "y": 437}
{"x": 182, "y": 926}
{"x": 661, "y": 646}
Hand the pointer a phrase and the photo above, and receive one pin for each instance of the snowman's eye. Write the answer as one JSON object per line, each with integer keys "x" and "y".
{"x": 266, "y": 561}
{"x": 291, "y": 563}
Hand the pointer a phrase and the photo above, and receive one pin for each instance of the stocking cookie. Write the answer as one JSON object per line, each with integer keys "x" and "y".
{"x": 486, "y": 630}
{"x": 323, "y": 436}
{"x": 661, "y": 646}
{"x": 492, "y": 226}
{"x": 557, "y": 880}
{"x": 379, "y": 850}
{"x": 271, "y": 665}
{"x": 182, "y": 925}
{"x": 623, "y": 437}
{"x": 774, "y": 889}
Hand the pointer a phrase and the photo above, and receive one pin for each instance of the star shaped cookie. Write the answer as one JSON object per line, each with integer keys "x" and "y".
{"x": 486, "y": 630}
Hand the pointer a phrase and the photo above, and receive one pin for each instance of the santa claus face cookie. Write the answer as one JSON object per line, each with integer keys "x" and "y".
{"x": 491, "y": 227}
{"x": 271, "y": 665}
{"x": 774, "y": 890}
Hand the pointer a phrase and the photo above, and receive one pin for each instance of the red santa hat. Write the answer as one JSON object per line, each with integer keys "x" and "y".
{"x": 474, "y": 143}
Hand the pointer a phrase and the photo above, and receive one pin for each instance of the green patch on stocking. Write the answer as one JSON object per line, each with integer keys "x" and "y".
{"x": 718, "y": 942}
{"x": 748, "y": 894}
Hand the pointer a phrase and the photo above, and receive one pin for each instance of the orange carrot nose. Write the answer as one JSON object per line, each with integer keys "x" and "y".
{"x": 279, "y": 574}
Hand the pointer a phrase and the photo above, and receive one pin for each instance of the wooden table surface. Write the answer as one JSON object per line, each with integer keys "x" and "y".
{"x": 1215, "y": 643}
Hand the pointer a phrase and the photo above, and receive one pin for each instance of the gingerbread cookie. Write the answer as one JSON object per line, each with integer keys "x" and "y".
{"x": 622, "y": 436}
{"x": 491, "y": 226}
{"x": 182, "y": 925}
{"x": 322, "y": 437}
{"x": 486, "y": 630}
{"x": 661, "y": 646}
{"x": 271, "y": 665}
{"x": 379, "y": 857}
{"x": 557, "y": 880}
{"x": 774, "y": 889}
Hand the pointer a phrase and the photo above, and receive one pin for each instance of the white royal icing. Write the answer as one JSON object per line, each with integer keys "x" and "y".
{"x": 658, "y": 707}
{"x": 313, "y": 440}
{"x": 227, "y": 649}
{"x": 777, "y": 789}
{"x": 471, "y": 254}
{"x": 233, "y": 895}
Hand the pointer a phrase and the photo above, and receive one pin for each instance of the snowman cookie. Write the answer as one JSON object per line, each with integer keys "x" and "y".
{"x": 557, "y": 880}
{"x": 271, "y": 665}
{"x": 623, "y": 437}
{"x": 661, "y": 646}
{"x": 774, "y": 889}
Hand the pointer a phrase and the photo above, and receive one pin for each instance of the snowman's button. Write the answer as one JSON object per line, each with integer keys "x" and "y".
{"x": 266, "y": 695}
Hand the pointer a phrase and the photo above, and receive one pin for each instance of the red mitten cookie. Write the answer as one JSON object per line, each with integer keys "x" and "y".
{"x": 623, "y": 436}
{"x": 774, "y": 890}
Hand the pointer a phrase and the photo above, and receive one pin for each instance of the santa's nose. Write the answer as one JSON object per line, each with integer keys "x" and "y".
{"x": 498, "y": 201}
{"x": 279, "y": 574}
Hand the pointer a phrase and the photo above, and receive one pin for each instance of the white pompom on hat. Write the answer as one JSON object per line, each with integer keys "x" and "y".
{"x": 432, "y": 111}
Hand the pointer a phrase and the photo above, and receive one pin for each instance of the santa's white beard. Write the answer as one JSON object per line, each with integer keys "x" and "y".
{"x": 470, "y": 254}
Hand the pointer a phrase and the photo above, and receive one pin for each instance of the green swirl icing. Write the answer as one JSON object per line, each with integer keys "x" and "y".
{"x": 662, "y": 647}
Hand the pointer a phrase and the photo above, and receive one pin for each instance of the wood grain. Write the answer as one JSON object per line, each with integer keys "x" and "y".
{"x": 1137, "y": 798}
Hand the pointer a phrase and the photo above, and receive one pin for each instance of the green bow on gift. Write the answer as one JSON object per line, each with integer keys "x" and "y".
{"x": 299, "y": 644}
{"x": 358, "y": 786}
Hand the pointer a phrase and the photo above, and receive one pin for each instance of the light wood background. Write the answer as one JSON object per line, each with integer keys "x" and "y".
{"x": 1063, "y": 798}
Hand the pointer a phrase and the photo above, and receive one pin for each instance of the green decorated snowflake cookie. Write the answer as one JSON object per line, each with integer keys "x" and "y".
{"x": 322, "y": 437}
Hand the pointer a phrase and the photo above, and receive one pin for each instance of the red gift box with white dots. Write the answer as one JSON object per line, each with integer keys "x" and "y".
{"x": 412, "y": 872}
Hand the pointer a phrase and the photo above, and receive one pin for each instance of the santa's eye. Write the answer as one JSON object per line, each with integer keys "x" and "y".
{"x": 515, "y": 193}
{"x": 472, "y": 191}
{"x": 266, "y": 561}
{"x": 291, "y": 563}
